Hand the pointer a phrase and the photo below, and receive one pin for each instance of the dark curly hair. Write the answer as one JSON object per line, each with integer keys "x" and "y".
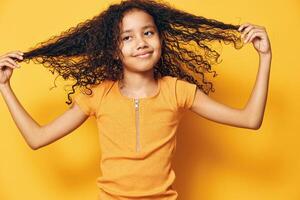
{"x": 86, "y": 53}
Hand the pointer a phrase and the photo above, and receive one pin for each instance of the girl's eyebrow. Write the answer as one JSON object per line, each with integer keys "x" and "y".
{"x": 144, "y": 27}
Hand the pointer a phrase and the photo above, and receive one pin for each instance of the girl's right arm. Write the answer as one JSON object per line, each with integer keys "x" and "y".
{"x": 35, "y": 135}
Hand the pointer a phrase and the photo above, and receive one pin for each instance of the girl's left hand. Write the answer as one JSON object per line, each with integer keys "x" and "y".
{"x": 258, "y": 36}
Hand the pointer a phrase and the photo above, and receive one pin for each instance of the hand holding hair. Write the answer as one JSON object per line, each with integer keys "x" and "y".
{"x": 258, "y": 36}
{"x": 8, "y": 62}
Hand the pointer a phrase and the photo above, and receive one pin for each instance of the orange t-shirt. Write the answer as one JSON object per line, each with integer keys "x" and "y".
{"x": 137, "y": 138}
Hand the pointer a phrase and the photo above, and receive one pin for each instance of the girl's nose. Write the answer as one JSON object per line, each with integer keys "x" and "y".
{"x": 141, "y": 43}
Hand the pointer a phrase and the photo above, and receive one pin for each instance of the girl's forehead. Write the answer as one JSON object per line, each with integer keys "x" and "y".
{"x": 136, "y": 19}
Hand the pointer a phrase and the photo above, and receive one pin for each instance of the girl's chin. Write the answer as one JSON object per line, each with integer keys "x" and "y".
{"x": 140, "y": 68}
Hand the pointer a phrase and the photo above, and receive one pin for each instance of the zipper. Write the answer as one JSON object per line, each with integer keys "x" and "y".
{"x": 136, "y": 105}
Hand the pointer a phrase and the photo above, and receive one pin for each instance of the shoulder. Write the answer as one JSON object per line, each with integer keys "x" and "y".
{"x": 176, "y": 82}
{"x": 173, "y": 79}
{"x": 96, "y": 90}
{"x": 89, "y": 99}
{"x": 169, "y": 80}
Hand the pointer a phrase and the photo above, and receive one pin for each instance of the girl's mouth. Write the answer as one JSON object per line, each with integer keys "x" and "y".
{"x": 147, "y": 55}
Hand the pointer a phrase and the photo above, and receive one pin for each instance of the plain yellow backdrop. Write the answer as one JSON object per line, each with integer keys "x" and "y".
{"x": 213, "y": 161}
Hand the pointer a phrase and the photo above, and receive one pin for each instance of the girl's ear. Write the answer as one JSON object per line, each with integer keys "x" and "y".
{"x": 116, "y": 57}
{"x": 161, "y": 42}
{"x": 160, "y": 39}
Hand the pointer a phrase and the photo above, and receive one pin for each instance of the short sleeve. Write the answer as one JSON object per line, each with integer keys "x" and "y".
{"x": 88, "y": 100}
{"x": 185, "y": 93}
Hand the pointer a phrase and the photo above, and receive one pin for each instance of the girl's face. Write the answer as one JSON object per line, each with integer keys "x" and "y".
{"x": 140, "y": 43}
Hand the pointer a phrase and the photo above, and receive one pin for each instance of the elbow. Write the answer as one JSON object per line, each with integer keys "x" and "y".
{"x": 35, "y": 143}
{"x": 34, "y": 146}
{"x": 255, "y": 126}
{"x": 253, "y": 122}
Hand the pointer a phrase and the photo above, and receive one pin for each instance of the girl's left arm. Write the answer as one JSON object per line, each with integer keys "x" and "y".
{"x": 251, "y": 116}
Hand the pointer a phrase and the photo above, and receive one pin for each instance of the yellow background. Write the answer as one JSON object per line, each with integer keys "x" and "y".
{"x": 213, "y": 161}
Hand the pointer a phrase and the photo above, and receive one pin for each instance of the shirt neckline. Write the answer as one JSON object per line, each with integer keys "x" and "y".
{"x": 142, "y": 98}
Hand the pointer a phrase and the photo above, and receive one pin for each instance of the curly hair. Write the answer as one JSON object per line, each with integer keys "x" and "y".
{"x": 86, "y": 53}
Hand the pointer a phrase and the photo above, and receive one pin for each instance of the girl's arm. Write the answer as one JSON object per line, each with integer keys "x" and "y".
{"x": 34, "y": 134}
{"x": 251, "y": 116}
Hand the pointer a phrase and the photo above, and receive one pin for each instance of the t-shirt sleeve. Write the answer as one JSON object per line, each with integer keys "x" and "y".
{"x": 185, "y": 93}
{"x": 88, "y": 100}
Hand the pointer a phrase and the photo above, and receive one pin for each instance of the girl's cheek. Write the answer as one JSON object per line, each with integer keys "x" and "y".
{"x": 126, "y": 50}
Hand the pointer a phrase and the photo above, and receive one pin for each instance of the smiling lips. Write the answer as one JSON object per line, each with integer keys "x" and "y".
{"x": 144, "y": 54}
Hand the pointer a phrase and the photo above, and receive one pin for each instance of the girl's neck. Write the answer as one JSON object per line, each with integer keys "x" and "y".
{"x": 142, "y": 87}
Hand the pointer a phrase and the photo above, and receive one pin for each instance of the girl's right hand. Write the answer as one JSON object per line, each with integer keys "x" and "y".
{"x": 8, "y": 64}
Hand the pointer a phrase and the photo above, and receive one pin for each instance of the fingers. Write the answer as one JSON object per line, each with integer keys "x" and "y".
{"x": 247, "y": 25}
{"x": 5, "y": 64}
{"x": 248, "y": 30}
{"x": 14, "y": 54}
{"x": 10, "y": 60}
{"x": 251, "y": 36}
{"x": 243, "y": 26}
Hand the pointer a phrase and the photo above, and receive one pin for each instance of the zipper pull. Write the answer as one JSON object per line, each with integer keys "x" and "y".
{"x": 136, "y": 103}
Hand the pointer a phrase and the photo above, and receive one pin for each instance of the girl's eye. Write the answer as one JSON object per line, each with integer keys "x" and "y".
{"x": 125, "y": 38}
{"x": 150, "y": 32}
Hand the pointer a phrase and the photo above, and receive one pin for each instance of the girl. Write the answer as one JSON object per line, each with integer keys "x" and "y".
{"x": 139, "y": 73}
